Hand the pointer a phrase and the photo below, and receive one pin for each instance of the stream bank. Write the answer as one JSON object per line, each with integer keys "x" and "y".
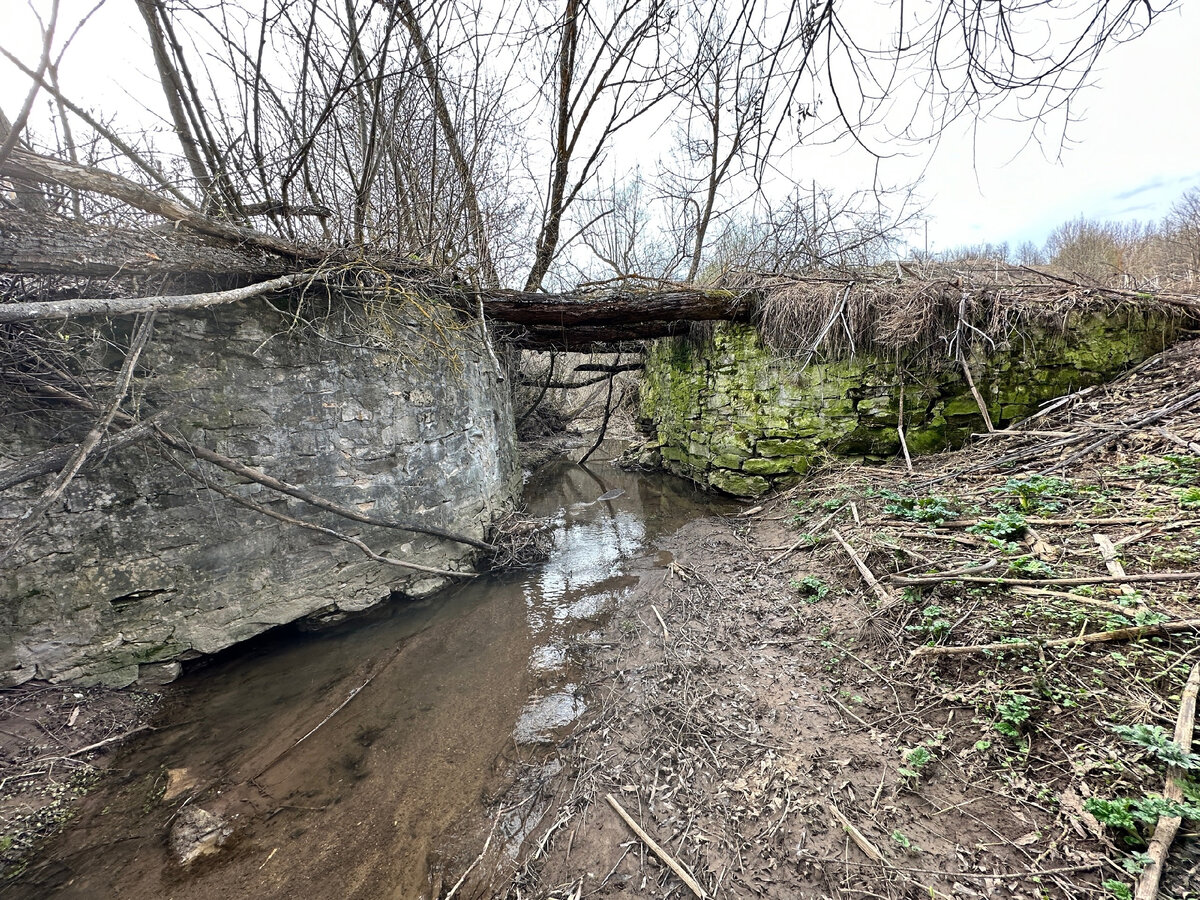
{"x": 354, "y": 761}
{"x": 742, "y": 690}
{"x": 787, "y": 716}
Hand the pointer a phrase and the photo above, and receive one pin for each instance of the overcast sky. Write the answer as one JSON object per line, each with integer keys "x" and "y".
{"x": 1134, "y": 148}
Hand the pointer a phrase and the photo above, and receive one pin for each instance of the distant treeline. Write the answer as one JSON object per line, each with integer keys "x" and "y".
{"x": 1099, "y": 250}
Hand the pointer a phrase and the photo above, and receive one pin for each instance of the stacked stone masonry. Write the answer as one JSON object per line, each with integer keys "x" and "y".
{"x": 727, "y": 413}
{"x": 139, "y": 567}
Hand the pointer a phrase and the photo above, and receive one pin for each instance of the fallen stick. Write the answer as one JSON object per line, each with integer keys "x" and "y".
{"x": 881, "y": 593}
{"x": 1096, "y": 637}
{"x": 1109, "y": 552}
{"x": 52, "y": 461}
{"x": 983, "y": 410}
{"x": 900, "y": 432}
{"x": 1036, "y": 582}
{"x": 96, "y": 746}
{"x": 26, "y": 522}
{"x": 1165, "y": 830}
{"x": 321, "y": 529}
{"x": 1151, "y": 419}
{"x": 658, "y": 615}
{"x": 1008, "y": 432}
{"x": 1036, "y": 520}
{"x": 478, "y": 859}
{"x": 804, "y": 537}
{"x": 276, "y": 484}
{"x": 354, "y": 692}
{"x": 857, "y": 836}
{"x": 1142, "y": 535}
{"x": 1075, "y": 598}
{"x": 873, "y": 852}
{"x": 129, "y": 306}
{"x": 693, "y": 885}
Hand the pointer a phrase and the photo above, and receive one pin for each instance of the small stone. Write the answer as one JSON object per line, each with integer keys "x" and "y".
{"x": 197, "y": 832}
{"x": 179, "y": 782}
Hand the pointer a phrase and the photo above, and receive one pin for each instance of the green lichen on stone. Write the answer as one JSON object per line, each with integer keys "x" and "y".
{"x": 731, "y": 415}
{"x": 738, "y": 485}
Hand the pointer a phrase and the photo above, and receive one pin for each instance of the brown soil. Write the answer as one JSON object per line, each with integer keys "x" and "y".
{"x": 54, "y": 743}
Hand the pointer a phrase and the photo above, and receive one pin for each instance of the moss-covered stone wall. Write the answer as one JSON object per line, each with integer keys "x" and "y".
{"x": 726, "y": 412}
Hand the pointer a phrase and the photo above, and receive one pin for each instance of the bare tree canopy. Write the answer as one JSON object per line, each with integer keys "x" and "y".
{"x": 508, "y": 139}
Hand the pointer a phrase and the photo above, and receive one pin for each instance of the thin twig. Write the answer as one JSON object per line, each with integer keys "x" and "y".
{"x": 684, "y": 875}
{"x": 89, "y": 443}
{"x": 1095, "y": 637}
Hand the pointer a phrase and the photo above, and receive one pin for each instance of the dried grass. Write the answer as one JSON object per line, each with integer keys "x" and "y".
{"x": 931, "y": 313}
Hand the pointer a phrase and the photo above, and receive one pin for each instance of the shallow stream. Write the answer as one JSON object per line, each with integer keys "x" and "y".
{"x": 347, "y": 760}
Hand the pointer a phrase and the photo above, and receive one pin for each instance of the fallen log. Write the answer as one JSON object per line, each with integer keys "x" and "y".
{"x": 615, "y": 307}
{"x": 22, "y": 165}
{"x": 49, "y": 245}
{"x": 129, "y": 306}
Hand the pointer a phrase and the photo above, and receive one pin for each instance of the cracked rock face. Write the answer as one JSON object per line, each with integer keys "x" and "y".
{"x": 140, "y": 566}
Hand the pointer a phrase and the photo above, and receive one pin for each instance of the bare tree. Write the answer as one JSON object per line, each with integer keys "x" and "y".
{"x": 451, "y": 129}
{"x": 1182, "y": 230}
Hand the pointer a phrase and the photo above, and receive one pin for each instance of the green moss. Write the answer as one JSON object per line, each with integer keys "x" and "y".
{"x": 773, "y": 447}
{"x": 729, "y": 414}
{"x": 728, "y": 461}
{"x": 760, "y": 466}
{"x": 738, "y": 485}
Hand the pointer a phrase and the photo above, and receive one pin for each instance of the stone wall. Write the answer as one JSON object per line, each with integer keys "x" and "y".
{"x": 139, "y": 566}
{"x": 727, "y": 413}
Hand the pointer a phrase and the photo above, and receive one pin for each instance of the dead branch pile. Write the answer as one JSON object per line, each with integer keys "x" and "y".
{"x": 934, "y": 312}
{"x": 520, "y": 540}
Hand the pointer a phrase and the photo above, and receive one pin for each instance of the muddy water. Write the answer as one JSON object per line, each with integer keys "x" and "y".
{"x": 431, "y": 703}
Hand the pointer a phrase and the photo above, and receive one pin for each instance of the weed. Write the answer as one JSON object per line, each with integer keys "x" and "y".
{"x": 1158, "y": 744}
{"x": 932, "y": 510}
{"x": 1127, "y": 813}
{"x": 1118, "y": 889}
{"x": 1005, "y": 525}
{"x": 1029, "y": 567}
{"x": 915, "y": 760}
{"x": 1014, "y": 712}
{"x": 811, "y": 588}
{"x": 933, "y": 625}
{"x": 1008, "y": 548}
{"x": 1148, "y": 617}
{"x": 1171, "y": 468}
{"x": 1038, "y": 493}
{"x": 906, "y": 842}
{"x": 1135, "y": 862}
{"x": 1189, "y": 498}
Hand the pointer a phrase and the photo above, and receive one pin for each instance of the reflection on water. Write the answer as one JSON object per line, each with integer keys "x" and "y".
{"x": 359, "y": 804}
{"x": 541, "y": 718}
